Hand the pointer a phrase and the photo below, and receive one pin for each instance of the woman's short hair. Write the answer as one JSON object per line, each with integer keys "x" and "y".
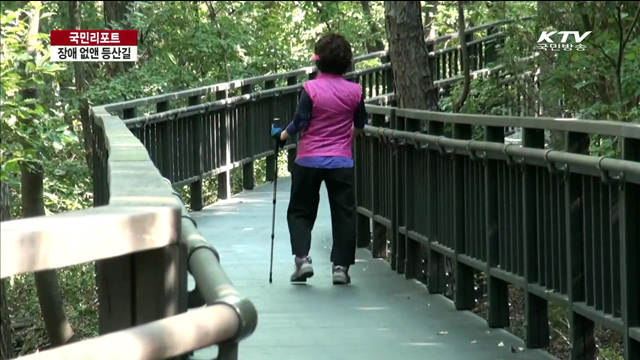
{"x": 333, "y": 54}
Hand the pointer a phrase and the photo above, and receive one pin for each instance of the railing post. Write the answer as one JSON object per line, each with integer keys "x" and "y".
{"x": 128, "y": 113}
{"x": 379, "y": 244}
{"x": 471, "y": 52}
{"x": 536, "y": 308}
{"x": 464, "y": 299}
{"x": 413, "y": 259}
{"x": 433, "y": 61}
{"x": 490, "y": 51}
{"x": 228, "y": 351}
{"x": 271, "y": 159}
{"x": 389, "y": 82}
{"x": 399, "y": 242}
{"x": 99, "y": 165}
{"x": 497, "y": 289}
{"x": 224, "y": 178}
{"x": 352, "y": 67}
{"x": 582, "y": 329}
{"x": 292, "y": 153}
{"x": 363, "y": 181}
{"x": 165, "y": 165}
{"x": 629, "y": 250}
{"x": 248, "y": 177}
{"x": 436, "y": 261}
{"x": 397, "y": 249}
{"x": 198, "y": 166}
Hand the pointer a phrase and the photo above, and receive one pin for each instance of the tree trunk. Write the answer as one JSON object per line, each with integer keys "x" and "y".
{"x": 465, "y": 60}
{"x": 75, "y": 17}
{"x": 49, "y": 294}
{"x": 6, "y": 344}
{"x": 412, "y": 77}
{"x": 115, "y": 13}
{"x": 430, "y": 11}
{"x": 373, "y": 28}
{"x": 549, "y": 105}
{"x": 32, "y": 189}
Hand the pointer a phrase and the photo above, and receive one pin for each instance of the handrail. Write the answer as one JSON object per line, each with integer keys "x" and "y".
{"x": 602, "y": 127}
{"x": 212, "y": 283}
{"x": 46, "y": 242}
{"x": 234, "y": 84}
{"x": 159, "y": 339}
{"x": 231, "y": 101}
{"x": 630, "y": 168}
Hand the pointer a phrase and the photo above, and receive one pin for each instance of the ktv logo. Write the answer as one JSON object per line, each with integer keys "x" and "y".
{"x": 545, "y": 41}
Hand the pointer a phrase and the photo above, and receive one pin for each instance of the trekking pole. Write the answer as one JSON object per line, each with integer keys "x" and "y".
{"x": 276, "y": 122}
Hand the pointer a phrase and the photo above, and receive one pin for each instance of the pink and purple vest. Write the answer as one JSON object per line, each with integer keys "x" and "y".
{"x": 330, "y": 130}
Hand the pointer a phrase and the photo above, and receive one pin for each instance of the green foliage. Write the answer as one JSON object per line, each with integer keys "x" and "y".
{"x": 580, "y": 84}
{"x": 36, "y": 130}
{"x": 189, "y": 44}
{"x": 583, "y": 84}
{"x": 486, "y": 96}
{"x": 78, "y": 286}
{"x": 478, "y": 13}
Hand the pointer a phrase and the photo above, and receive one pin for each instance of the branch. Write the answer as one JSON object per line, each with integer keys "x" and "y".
{"x": 621, "y": 34}
{"x": 633, "y": 25}
{"x": 611, "y": 60}
{"x": 465, "y": 60}
{"x": 585, "y": 17}
{"x": 619, "y": 20}
{"x": 212, "y": 11}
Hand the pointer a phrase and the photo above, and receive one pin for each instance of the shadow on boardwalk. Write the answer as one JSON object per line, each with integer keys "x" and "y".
{"x": 379, "y": 316}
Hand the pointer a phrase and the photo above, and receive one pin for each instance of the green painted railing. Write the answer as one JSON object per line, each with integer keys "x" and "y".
{"x": 563, "y": 225}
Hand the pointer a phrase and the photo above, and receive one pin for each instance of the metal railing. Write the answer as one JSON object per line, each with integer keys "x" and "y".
{"x": 561, "y": 224}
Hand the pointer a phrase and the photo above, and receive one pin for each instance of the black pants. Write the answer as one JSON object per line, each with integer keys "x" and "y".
{"x": 303, "y": 209}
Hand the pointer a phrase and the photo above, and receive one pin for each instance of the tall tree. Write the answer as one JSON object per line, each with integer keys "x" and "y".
{"x": 115, "y": 13}
{"x": 430, "y": 9}
{"x": 414, "y": 87}
{"x": 75, "y": 17}
{"x": 464, "y": 56}
{"x": 373, "y": 28}
{"x": 32, "y": 190}
{"x": 6, "y": 344}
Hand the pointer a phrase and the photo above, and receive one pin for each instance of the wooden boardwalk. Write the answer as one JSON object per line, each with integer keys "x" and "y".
{"x": 380, "y": 315}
